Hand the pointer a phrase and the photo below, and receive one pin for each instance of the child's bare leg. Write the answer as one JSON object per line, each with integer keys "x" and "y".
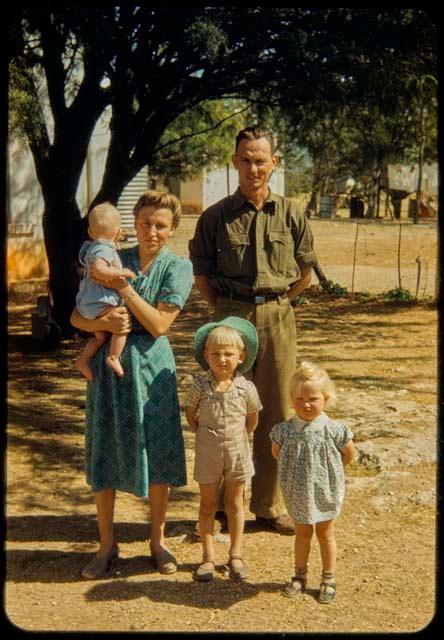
{"x": 304, "y": 533}
{"x": 117, "y": 345}
{"x": 89, "y": 351}
{"x": 209, "y": 498}
{"x": 325, "y": 532}
{"x": 234, "y": 508}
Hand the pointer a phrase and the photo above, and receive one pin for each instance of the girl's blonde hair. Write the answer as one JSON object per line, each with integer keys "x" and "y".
{"x": 225, "y": 336}
{"x": 160, "y": 200}
{"x": 309, "y": 372}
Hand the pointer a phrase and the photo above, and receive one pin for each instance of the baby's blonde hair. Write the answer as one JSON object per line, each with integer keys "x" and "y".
{"x": 225, "y": 336}
{"x": 309, "y": 372}
{"x": 104, "y": 221}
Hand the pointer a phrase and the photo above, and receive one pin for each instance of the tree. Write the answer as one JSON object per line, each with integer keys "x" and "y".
{"x": 149, "y": 69}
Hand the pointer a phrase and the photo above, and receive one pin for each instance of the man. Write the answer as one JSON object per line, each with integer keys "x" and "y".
{"x": 252, "y": 252}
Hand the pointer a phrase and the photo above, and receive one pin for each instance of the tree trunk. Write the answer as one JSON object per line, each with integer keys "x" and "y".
{"x": 373, "y": 195}
{"x": 63, "y": 232}
{"x": 417, "y": 212}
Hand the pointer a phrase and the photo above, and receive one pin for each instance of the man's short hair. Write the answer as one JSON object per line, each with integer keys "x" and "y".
{"x": 254, "y": 133}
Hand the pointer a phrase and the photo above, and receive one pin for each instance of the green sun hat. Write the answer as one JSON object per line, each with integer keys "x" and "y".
{"x": 247, "y": 331}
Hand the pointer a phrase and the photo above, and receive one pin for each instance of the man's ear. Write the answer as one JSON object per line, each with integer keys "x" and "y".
{"x": 234, "y": 160}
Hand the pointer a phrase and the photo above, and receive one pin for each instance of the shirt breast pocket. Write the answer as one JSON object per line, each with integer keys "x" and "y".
{"x": 279, "y": 249}
{"x": 232, "y": 254}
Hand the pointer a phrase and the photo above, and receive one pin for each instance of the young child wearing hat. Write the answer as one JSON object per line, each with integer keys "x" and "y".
{"x": 222, "y": 407}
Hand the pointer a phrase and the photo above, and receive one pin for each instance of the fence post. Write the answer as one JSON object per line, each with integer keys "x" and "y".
{"x": 354, "y": 258}
{"x": 399, "y": 257}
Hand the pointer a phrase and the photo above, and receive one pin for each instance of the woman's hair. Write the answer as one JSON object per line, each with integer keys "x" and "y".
{"x": 254, "y": 133}
{"x": 225, "y": 336}
{"x": 308, "y": 372}
{"x": 103, "y": 220}
{"x": 160, "y": 200}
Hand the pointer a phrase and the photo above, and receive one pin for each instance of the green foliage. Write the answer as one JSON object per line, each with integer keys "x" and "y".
{"x": 400, "y": 294}
{"x": 335, "y": 289}
{"x": 23, "y": 108}
{"x": 201, "y": 137}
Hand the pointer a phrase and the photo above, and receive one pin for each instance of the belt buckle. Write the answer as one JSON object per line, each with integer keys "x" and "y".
{"x": 259, "y": 299}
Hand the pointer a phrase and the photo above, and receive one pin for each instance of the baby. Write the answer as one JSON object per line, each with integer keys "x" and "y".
{"x": 94, "y": 300}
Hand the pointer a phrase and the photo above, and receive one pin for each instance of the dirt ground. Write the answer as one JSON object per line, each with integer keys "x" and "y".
{"x": 382, "y": 356}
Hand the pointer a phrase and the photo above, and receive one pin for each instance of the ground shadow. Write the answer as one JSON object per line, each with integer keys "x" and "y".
{"x": 220, "y": 593}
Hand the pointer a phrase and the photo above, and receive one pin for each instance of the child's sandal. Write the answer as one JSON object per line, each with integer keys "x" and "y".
{"x": 327, "y": 592}
{"x": 294, "y": 587}
{"x": 204, "y": 573}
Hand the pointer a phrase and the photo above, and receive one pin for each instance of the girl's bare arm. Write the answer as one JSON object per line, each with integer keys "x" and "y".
{"x": 348, "y": 453}
{"x": 275, "y": 450}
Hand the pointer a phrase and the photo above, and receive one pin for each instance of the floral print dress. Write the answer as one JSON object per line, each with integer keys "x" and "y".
{"x": 310, "y": 468}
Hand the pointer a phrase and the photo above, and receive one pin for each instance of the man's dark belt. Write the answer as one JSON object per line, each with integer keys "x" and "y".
{"x": 257, "y": 299}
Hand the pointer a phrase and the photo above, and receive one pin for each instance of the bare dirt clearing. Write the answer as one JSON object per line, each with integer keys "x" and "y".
{"x": 383, "y": 358}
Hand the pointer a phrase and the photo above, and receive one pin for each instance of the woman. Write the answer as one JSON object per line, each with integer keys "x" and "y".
{"x": 134, "y": 439}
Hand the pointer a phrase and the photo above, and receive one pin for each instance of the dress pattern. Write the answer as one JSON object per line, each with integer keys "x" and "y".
{"x": 133, "y": 428}
{"x": 310, "y": 468}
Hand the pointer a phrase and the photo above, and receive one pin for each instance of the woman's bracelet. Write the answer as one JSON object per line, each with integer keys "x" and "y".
{"x": 129, "y": 296}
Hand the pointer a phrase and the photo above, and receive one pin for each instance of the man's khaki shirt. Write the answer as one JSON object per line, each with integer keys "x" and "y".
{"x": 248, "y": 252}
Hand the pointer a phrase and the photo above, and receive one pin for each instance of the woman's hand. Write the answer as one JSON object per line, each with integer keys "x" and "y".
{"x": 117, "y": 320}
{"x": 109, "y": 276}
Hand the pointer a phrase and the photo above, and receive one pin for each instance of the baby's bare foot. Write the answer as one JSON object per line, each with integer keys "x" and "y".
{"x": 83, "y": 367}
{"x": 114, "y": 363}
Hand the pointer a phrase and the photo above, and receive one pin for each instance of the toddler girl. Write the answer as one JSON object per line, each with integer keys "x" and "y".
{"x": 312, "y": 451}
{"x": 94, "y": 300}
{"x": 222, "y": 408}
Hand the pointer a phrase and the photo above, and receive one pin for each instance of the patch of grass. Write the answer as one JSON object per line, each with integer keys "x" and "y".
{"x": 335, "y": 289}
{"x": 400, "y": 294}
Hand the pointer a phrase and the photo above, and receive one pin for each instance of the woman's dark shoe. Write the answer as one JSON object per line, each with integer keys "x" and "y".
{"x": 101, "y": 566}
{"x": 237, "y": 573}
{"x": 205, "y": 571}
{"x": 164, "y": 561}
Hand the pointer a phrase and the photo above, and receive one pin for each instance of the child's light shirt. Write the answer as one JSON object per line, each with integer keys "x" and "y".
{"x": 93, "y": 298}
{"x": 311, "y": 472}
{"x": 222, "y": 447}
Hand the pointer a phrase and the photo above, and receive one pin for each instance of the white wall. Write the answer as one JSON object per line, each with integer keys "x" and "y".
{"x": 217, "y": 184}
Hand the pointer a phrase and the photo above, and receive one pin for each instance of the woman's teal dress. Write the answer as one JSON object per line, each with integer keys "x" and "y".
{"x": 133, "y": 430}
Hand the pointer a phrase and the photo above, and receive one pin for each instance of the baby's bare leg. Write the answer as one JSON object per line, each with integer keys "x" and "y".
{"x": 117, "y": 345}
{"x": 89, "y": 351}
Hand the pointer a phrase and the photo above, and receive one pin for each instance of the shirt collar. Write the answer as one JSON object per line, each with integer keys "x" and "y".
{"x": 269, "y": 206}
{"x": 317, "y": 422}
{"x": 164, "y": 252}
{"x": 238, "y": 380}
{"x": 109, "y": 243}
